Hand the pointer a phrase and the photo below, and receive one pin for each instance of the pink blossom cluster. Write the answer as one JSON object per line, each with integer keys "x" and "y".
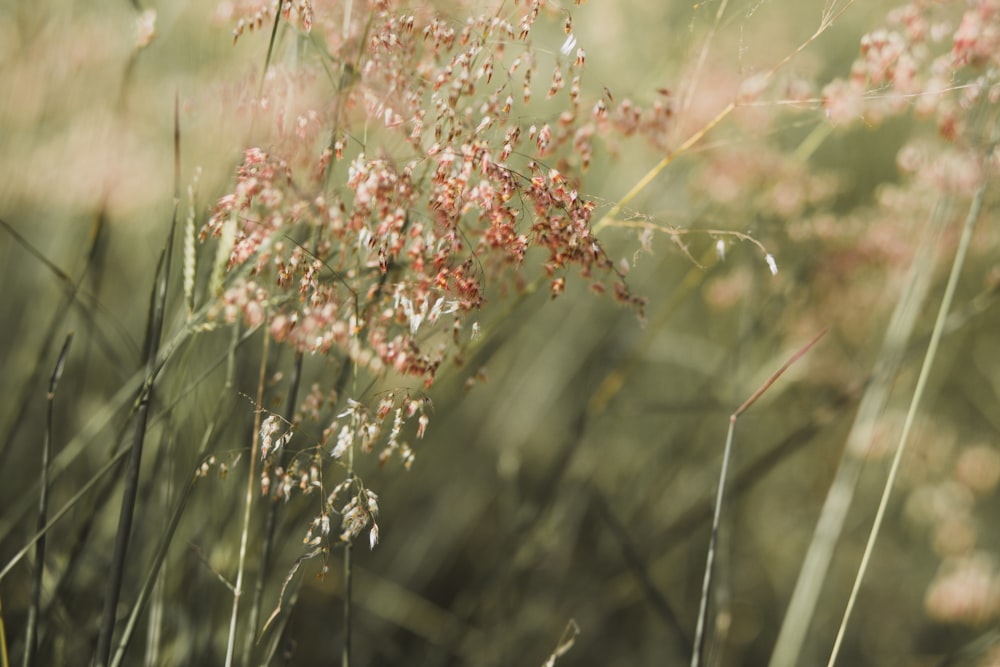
{"x": 937, "y": 58}
{"x": 377, "y": 218}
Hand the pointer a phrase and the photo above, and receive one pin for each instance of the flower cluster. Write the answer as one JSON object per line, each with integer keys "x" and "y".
{"x": 938, "y": 58}
{"x": 250, "y": 15}
{"x": 284, "y": 473}
{"x": 373, "y": 222}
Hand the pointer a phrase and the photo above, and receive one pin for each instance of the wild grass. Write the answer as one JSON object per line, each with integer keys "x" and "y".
{"x": 462, "y": 295}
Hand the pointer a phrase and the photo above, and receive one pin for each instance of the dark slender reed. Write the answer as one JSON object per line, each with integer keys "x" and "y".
{"x": 154, "y": 331}
{"x": 31, "y": 633}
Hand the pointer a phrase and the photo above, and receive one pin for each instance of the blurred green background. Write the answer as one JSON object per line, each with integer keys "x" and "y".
{"x": 576, "y": 482}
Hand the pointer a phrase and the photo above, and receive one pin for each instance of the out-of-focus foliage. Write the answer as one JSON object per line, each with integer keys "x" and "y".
{"x": 437, "y": 275}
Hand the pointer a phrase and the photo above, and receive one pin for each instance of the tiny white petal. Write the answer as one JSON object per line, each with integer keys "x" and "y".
{"x": 344, "y": 440}
{"x": 436, "y": 309}
{"x": 771, "y": 264}
{"x": 720, "y": 250}
{"x": 568, "y": 44}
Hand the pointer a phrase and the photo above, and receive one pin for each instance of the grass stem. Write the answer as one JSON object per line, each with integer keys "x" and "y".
{"x": 706, "y": 586}
{"x": 31, "y": 632}
{"x": 143, "y": 402}
{"x": 939, "y": 323}
{"x": 248, "y": 503}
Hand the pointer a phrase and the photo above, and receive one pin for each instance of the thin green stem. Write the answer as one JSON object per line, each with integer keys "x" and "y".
{"x": 345, "y": 657}
{"x": 270, "y": 524}
{"x": 939, "y": 324}
{"x": 270, "y": 48}
{"x": 699, "y": 134}
{"x": 158, "y": 560}
{"x": 248, "y": 503}
{"x": 31, "y": 632}
{"x": 4, "y": 659}
{"x": 74, "y": 295}
{"x": 805, "y": 595}
{"x": 144, "y": 400}
{"x": 706, "y": 585}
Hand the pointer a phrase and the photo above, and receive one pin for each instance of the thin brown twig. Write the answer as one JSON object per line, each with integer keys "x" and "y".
{"x": 771, "y": 380}
{"x": 699, "y": 636}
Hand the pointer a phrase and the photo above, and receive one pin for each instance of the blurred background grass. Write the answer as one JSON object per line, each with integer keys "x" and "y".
{"x": 575, "y": 482}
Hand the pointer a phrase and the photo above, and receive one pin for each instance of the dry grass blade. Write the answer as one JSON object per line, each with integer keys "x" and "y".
{"x": 828, "y": 527}
{"x": 566, "y": 642}
{"x": 700, "y": 628}
{"x": 932, "y": 347}
{"x": 284, "y": 586}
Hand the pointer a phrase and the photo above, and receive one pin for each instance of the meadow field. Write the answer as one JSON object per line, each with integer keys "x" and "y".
{"x": 499, "y": 332}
